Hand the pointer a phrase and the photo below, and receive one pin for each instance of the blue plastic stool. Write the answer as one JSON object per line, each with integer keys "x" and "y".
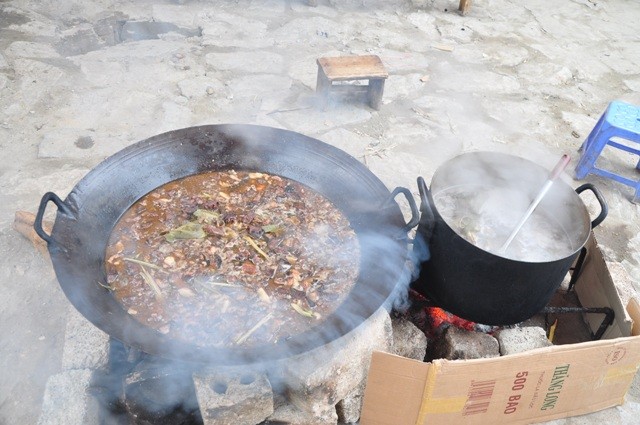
{"x": 619, "y": 120}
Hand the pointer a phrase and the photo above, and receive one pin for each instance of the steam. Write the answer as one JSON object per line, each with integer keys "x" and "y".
{"x": 483, "y": 195}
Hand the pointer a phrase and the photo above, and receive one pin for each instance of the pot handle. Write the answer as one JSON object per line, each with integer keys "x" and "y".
{"x": 428, "y": 219}
{"x": 37, "y": 224}
{"x": 604, "y": 208}
{"x": 415, "y": 214}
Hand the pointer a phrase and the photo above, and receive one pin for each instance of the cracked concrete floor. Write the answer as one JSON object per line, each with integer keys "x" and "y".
{"x": 80, "y": 80}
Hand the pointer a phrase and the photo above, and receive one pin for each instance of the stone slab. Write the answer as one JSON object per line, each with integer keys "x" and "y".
{"x": 352, "y": 143}
{"x": 30, "y": 49}
{"x": 67, "y": 399}
{"x": 255, "y": 62}
{"x": 85, "y": 346}
{"x": 78, "y": 143}
{"x": 3, "y": 62}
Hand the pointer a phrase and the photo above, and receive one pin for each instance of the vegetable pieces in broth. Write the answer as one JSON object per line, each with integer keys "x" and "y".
{"x": 232, "y": 258}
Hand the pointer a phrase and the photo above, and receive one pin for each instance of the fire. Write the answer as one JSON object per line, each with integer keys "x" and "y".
{"x": 440, "y": 319}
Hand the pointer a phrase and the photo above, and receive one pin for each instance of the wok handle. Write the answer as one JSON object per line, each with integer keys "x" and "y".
{"x": 428, "y": 219}
{"x": 604, "y": 207}
{"x": 415, "y": 214}
{"x": 37, "y": 224}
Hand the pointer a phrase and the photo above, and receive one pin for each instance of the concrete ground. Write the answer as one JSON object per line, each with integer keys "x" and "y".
{"x": 79, "y": 80}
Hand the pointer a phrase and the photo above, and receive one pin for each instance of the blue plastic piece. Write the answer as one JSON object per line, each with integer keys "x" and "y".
{"x": 619, "y": 120}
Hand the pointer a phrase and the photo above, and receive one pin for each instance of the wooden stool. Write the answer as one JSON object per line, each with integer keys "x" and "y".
{"x": 348, "y": 68}
{"x": 464, "y": 6}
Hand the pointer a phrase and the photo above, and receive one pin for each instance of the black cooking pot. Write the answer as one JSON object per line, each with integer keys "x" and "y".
{"x": 488, "y": 286}
{"x": 85, "y": 219}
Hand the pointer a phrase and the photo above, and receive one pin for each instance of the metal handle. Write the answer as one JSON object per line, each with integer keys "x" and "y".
{"x": 37, "y": 224}
{"x": 415, "y": 214}
{"x": 428, "y": 219}
{"x": 604, "y": 208}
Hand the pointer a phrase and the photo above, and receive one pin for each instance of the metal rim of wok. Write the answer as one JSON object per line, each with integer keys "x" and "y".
{"x": 85, "y": 219}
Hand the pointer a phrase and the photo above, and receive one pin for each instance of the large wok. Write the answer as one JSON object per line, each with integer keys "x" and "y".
{"x": 85, "y": 219}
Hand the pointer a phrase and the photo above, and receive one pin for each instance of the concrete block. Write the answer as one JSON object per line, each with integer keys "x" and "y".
{"x": 85, "y": 346}
{"x": 234, "y": 399}
{"x": 461, "y": 344}
{"x": 320, "y": 378}
{"x": 67, "y": 399}
{"x": 518, "y": 340}
{"x": 408, "y": 340}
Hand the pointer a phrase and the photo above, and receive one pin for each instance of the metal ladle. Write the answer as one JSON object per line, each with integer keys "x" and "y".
{"x": 557, "y": 170}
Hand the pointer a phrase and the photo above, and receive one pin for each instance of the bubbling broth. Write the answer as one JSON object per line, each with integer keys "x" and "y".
{"x": 232, "y": 258}
{"x": 486, "y": 216}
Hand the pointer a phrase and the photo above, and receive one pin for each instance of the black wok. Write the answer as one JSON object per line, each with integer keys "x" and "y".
{"x": 85, "y": 219}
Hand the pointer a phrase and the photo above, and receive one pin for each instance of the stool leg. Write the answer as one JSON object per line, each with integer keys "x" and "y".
{"x": 323, "y": 86}
{"x": 596, "y": 129}
{"x": 594, "y": 145}
{"x": 376, "y": 88}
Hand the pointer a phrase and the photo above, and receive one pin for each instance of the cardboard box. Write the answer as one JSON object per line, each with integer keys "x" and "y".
{"x": 535, "y": 386}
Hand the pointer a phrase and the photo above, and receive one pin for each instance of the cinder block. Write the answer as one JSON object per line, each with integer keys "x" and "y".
{"x": 518, "y": 340}
{"x": 237, "y": 399}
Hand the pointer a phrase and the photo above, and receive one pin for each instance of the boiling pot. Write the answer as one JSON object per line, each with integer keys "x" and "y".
{"x": 486, "y": 285}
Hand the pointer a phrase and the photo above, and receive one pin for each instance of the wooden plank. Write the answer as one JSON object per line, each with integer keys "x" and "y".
{"x": 464, "y": 6}
{"x": 352, "y": 67}
{"x": 23, "y": 224}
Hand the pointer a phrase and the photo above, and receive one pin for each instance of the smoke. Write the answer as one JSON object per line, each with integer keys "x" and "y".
{"x": 141, "y": 71}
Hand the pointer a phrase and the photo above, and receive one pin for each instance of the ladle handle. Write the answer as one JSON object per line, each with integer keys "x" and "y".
{"x": 428, "y": 218}
{"x": 560, "y": 166}
{"x": 415, "y": 215}
{"x": 604, "y": 207}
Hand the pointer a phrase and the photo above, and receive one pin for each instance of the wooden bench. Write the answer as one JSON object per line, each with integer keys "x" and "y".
{"x": 352, "y": 68}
